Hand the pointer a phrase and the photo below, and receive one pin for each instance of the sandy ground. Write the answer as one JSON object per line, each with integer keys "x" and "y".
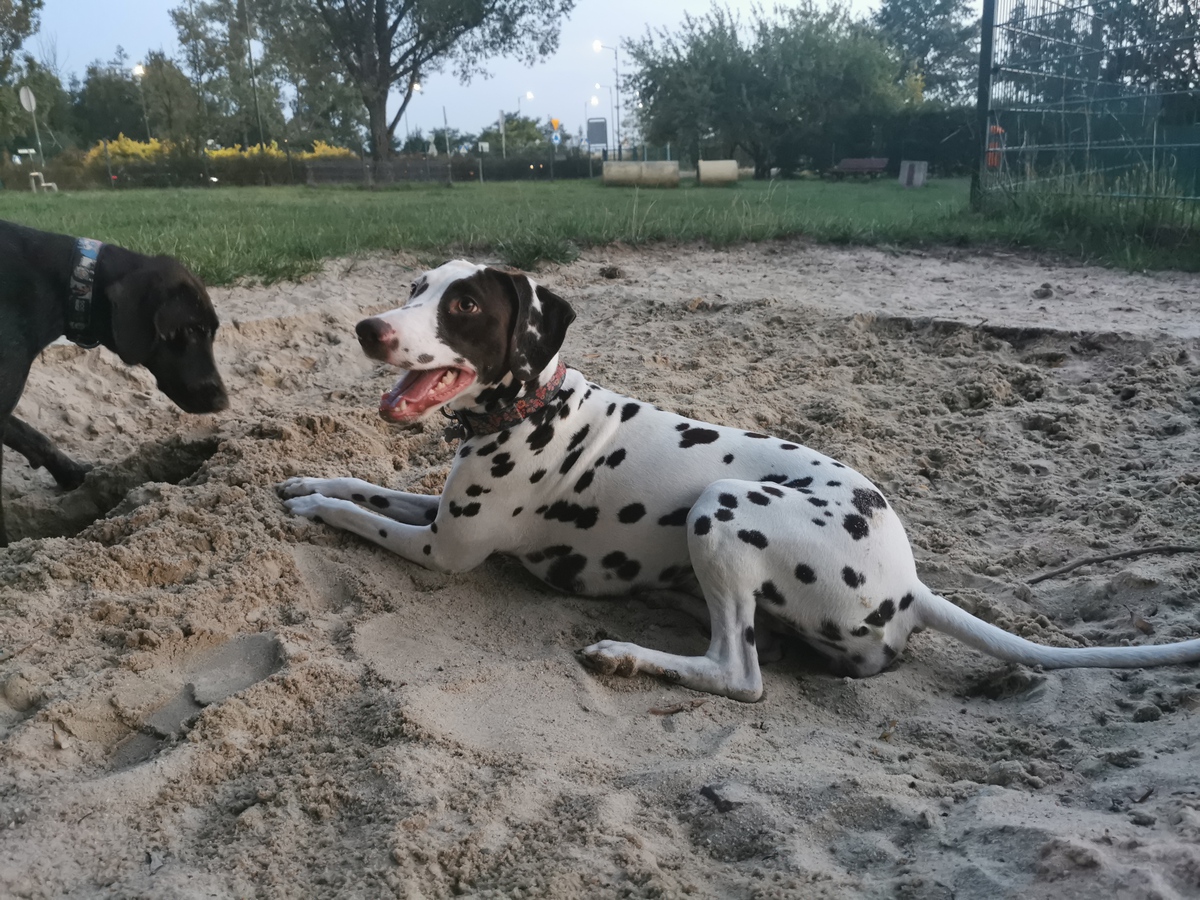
{"x": 203, "y": 697}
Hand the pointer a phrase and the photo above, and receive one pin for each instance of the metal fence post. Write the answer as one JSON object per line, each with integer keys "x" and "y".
{"x": 983, "y": 96}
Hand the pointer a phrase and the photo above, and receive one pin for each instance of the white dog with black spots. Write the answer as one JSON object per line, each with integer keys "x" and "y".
{"x": 600, "y": 494}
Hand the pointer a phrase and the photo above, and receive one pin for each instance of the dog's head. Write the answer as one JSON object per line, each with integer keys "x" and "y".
{"x": 469, "y": 338}
{"x": 163, "y": 319}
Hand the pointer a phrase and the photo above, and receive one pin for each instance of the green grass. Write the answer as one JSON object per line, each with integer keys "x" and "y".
{"x": 280, "y": 233}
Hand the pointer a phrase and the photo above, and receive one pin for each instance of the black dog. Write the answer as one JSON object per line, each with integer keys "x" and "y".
{"x": 150, "y": 311}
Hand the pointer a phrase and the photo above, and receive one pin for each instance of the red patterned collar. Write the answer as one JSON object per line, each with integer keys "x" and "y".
{"x": 469, "y": 424}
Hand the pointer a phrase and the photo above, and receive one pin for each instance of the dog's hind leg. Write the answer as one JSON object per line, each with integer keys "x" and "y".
{"x": 730, "y": 667}
{"x": 40, "y": 451}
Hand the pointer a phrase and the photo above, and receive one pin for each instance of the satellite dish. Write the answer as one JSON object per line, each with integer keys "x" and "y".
{"x": 27, "y": 100}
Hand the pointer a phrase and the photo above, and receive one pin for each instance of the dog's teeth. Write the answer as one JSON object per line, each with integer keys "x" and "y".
{"x": 402, "y": 406}
{"x": 447, "y": 378}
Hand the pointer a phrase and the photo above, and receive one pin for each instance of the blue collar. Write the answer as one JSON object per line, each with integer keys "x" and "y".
{"x": 81, "y": 319}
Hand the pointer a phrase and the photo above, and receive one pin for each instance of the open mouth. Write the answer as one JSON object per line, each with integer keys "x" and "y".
{"x": 417, "y": 392}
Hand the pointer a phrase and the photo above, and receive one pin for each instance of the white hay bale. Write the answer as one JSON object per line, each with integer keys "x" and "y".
{"x": 642, "y": 174}
{"x": 717, "y": 171}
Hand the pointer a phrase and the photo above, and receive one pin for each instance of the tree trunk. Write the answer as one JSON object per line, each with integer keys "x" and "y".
{"x": 381, "y": 136}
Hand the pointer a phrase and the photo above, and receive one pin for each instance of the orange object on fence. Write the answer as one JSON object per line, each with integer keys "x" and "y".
{"x": 995, "y": 147}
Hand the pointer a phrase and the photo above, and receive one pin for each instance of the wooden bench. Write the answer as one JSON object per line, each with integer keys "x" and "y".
{"x": 870, "y": 166}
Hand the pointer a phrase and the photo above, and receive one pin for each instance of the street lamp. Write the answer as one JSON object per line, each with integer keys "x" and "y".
{"x": 597, "y": 46}
{"x": 416, "y": 86}
{"x": 528, "y": 96}
{"x": 610, "y": 108}
{"x": 138, "y": 72}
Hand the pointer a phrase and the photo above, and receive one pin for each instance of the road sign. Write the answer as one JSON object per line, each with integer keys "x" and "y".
{"x": 28, "y": 101}
{"x": 556, "y": 139}
{"x": 554, "y": 124}
{"x": 597, "y": 132}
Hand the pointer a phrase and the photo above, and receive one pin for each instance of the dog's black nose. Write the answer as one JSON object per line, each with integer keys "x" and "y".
{"x": 376, "y": 337}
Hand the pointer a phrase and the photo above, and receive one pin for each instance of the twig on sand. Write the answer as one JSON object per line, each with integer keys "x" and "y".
{"x": 1126, "y": 554}
{"x": 677, "y": 707}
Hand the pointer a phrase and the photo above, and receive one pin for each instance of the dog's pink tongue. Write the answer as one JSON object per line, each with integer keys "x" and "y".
{"x": 418, "y": 392}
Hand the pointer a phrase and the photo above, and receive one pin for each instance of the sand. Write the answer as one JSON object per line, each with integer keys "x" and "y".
{"x": 204, "y": 697}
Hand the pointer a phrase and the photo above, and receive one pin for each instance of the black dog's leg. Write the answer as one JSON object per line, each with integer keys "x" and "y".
{"x": 40, "y": 451}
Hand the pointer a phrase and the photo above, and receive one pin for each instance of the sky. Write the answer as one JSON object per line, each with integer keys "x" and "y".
{"x": 77, "y": 32}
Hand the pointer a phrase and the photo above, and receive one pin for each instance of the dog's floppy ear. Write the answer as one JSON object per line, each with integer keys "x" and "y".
{"x": 133, "y": 325}
{"x": 539, "y": 326}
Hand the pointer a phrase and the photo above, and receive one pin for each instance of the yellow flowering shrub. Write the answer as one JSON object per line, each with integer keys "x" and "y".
{"x": 124, "y": 150}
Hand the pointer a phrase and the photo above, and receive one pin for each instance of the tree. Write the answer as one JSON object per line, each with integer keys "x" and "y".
{"x": 390, "y": 44}
{"x": 781, "y": 89}
{"x": 520, "y": 133}
{"x": 937, "y": 40}
{"x": 107, "y": 103}
{"x": 18, "y": 20}
{"x": 172, "y": 105}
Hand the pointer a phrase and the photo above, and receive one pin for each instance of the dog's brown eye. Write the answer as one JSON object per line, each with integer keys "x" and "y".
{"x": 466, "y": 305}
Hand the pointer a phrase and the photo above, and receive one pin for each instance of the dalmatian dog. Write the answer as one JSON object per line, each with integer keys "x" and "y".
{"x": 600, "y": 494}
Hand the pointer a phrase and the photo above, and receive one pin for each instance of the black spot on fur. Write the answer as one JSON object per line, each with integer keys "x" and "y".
{"x": 537, "y": 476}
{"x": 582, "y": 516}
{"x": 833, "y": 483}
{"x": 502, "y": 465}
{"x": 627, "y": 569}
{"x": 829, "y": 630}
{"x": 564, "y": 573}
{"x": 542, "y": 435}
{"x": 464, "y": 451}
{"x": 615, "y": 458}
{"x": 724, "y": 515}
{"x": 455, "y": 509}
{"x": 789, "y": 446}
{"x": 536, "y": 556}
{"x": 488, "y": 449}
{"x": 431, "y": 514}
{"x": 471, "y": 509}
{"x": 906, "y": 601}
{"x": 577, "y": 438}
{"x": 682, "y": 426}
{"x": 476, "y": 489}
{"x": 584, "y": 480}
{"x": 817, "y": 501}
{"x": 805, "y": 573}
{"x": 728, "y": 500}
{"x": 631, "y": 513}
{"x": 728, "y": 458}
{"x": 799, "y": 482}
{"x": 424, "y": 358}
{"x": 427, "y": 549}
{"x": 861, "y": 631}
{"x": 774, "y": 479}
{"x": 629, "y": 410}
{"x": 773, "y": 491}
{"x": 820, "y": 522}
{"x": 758, "y": 499}
{"x": 853, "y": 579}
{"x": 753, "y": 538}
{"x": 358, "y": 498}
{"x": 702, "y": 525}
{"x": 866, "y": 502}
{"x": 694, "y": 436}
{"x": 569, "y": 460}
{"x": 856, "y": 525}
{"x": 882, "y": 615}
{"x": 379, "y": 502}
{"x": 750, "y": 635}
{"x": 382, "y": 533}
{"x": 517, "y": 511}
{"x": 837, "y": 465}
{"x": 678, "y": 517}
{"x": 612, "y": 408}
{"x": 755, "y": 434}
{"x": 433, "y": 528}
{"x": 767, "y": 591}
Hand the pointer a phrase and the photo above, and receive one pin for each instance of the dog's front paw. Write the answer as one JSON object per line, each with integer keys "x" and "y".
{"x": 612, "y": 658}
{"x": 297, "y": 487}
{"x": 309, "y": 505}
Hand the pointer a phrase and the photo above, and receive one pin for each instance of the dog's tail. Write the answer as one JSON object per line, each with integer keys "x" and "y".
{"x": 941, "y": 615}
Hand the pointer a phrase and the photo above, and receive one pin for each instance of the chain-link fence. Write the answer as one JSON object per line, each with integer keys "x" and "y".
{"x": 1095, "y": 101}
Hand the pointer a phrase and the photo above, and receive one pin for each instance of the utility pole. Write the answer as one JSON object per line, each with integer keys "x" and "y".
{"x": 262, "y": 140}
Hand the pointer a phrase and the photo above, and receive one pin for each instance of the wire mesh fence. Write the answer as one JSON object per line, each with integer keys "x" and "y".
{"x": 1096, "y": 102}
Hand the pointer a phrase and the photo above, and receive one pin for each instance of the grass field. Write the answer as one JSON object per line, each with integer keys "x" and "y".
{"x": 279, "y": 233}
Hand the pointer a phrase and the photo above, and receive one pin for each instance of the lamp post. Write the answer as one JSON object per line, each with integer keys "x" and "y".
{"x": 416, "y": 86}
{"x": 528, "y": 96}
{"x": 139, "y": 72}
{"x": 598, "y": 46}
